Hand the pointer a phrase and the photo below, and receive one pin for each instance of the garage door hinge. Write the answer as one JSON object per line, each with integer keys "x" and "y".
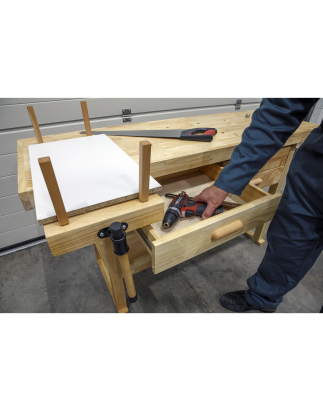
{"x": 126, "y": 115}
{"x": 238, "y": 104}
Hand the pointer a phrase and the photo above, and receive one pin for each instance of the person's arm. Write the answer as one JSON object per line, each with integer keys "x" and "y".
{"x": 272, "y": 124}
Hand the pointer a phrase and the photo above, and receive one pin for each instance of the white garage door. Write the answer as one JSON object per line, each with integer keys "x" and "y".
{"x": 64, "y": 115}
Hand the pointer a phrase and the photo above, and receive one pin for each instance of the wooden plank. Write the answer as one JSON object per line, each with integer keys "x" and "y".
{"x": 10, "y": 238}
{"x": 82, "y": 229}
{"x": 170, "y": 156}
{"x": 188, "y": 242}
{"x": 144, "y": 169}
{"x": 34, "y": 122}
{"x": 53, "y": 189}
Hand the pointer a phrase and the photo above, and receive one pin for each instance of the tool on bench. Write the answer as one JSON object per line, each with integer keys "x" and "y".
{"x": 184, "y": 206}
{"x": 194, "y": 134}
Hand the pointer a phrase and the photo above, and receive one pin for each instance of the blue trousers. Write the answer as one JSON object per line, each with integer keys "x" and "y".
{"x": 295, "y": 235}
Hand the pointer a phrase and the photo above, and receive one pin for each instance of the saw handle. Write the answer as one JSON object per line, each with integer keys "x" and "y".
{"x": 191, "y": 135}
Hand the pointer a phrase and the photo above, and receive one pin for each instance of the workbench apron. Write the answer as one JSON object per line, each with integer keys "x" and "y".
{"x": 295, "y": 235}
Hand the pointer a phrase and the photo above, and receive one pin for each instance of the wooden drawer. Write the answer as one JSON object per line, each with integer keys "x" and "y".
{"x": 193, "y": 236}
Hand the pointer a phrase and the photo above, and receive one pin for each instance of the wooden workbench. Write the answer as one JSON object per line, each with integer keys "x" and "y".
{"x": 170, "y": 159}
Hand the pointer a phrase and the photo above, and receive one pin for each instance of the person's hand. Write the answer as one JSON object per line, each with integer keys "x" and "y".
{"x": 213, "y": 196}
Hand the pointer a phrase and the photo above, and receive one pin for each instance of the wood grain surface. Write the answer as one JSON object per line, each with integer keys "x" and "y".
{"x": 168, "y": 155}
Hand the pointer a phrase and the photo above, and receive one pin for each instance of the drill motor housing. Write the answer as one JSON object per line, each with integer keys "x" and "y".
{"x": 183, "y": 206}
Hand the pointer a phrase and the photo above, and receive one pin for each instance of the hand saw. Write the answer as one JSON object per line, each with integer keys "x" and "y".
{"x": 193, "y": 134}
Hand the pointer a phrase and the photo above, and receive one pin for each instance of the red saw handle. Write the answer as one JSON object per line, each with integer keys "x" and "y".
{"x": 192, "y": 135}
{"x": 211, "y": 132}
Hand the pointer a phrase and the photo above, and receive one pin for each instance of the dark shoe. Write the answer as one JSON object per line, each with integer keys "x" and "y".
{"x": 236, "y": 301}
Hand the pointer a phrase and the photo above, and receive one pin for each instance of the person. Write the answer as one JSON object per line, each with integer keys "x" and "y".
{"x": 295, "y": 235}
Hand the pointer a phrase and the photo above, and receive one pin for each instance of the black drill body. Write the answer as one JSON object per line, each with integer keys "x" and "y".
{"x": 183, "y": 206}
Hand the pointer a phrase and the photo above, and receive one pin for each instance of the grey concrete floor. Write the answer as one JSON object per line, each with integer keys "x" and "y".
{"x": 33, "y": 281}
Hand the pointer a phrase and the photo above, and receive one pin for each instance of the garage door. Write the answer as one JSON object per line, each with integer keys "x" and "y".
{"x": 64, "y": 115}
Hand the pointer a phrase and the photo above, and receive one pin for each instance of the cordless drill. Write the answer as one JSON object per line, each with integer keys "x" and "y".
{"x": 184, "y": 206}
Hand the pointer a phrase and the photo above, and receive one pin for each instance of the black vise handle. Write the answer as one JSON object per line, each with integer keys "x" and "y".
{"x": 191, "y": 135}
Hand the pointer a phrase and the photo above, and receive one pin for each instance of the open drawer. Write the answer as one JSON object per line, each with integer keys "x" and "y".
{"x": 193, "y": 236}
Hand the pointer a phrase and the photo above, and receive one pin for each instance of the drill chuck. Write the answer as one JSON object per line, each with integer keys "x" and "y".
{"x": 172, "y": 215}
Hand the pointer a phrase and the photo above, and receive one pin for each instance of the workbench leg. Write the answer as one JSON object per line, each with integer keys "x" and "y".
{"x": 260, "y": 231}
{"x": 128, "y": 279}
{"x": 112, "y": 272}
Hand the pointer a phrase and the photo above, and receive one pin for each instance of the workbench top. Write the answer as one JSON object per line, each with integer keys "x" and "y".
{"x": 168, "y": 155}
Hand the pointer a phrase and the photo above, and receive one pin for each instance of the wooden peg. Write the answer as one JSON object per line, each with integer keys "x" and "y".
{"x": 226, "y": 230}
{"x": 53, "y": 189}
{"x": 144, "y": 170}
{"x": 86, "y": 118}
{"x": 256, "y": 181}
{"x": 34, "y": 122}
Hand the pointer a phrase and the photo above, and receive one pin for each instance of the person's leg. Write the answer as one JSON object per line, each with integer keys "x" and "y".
{"x": 295, "y": 236}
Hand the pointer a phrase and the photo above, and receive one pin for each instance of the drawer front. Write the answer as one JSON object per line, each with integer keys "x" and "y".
{"x": 188, "y": 242}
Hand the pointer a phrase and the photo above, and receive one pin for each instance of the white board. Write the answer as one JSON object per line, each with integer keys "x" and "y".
{"x": 89, "y": 171}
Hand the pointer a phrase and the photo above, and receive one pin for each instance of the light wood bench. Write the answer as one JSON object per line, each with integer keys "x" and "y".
{"x": 172, "y": 162}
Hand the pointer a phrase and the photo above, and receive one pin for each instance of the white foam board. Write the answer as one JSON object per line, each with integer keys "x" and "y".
{"x": 89, "y": 170}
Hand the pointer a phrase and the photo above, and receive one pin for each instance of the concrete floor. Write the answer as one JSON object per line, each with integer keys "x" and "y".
{"x": 33, "y": 281}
